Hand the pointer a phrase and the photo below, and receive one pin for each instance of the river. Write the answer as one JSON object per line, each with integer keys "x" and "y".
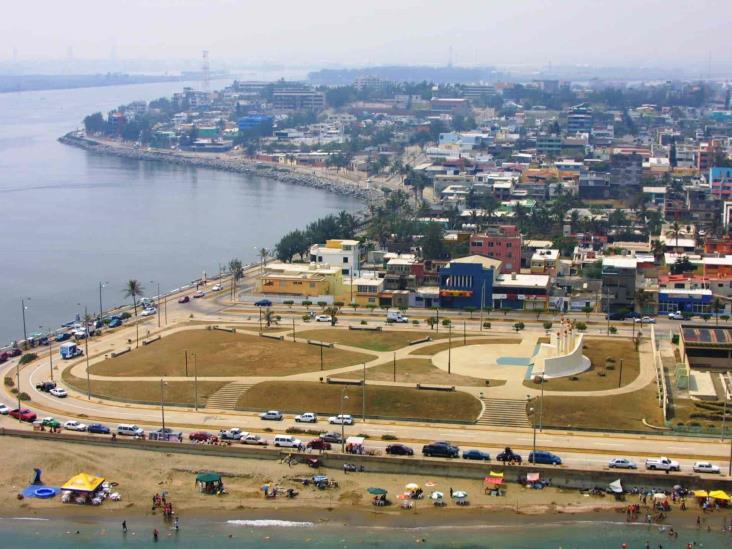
{"x": 70, "y": 219}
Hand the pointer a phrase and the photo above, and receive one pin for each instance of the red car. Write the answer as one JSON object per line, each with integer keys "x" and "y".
{"x": 15, "y": 351}
{"x": 203, "y": 436}
{"x": 23, "y": 414}
{"x": 319, "y": 444}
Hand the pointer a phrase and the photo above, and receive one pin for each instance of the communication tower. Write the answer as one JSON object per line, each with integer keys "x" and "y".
{"x": 206, "y": 72}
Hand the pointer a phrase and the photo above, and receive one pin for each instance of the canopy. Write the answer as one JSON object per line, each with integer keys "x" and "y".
{"x": 497, "y": 481}
{"x": 532, "y": 477}
{"x": 208, "y": 477}
{"x": 83, "y": 482}
{"x": 377, "y": 491}
{"x": 720, "y": 494}
{"x": 437, "y": 495}
{"x": 356, "y": 441}
{"x": 412, "y": 486}
{"x": 701, "y": 494}
{"x": 494, "y": 474}
{"x": 616, "y": 487}
{"x": 659, "y": 496}
{"x": 459, "y": 494}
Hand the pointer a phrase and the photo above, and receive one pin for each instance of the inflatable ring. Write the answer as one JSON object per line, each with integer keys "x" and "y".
{"x": 44, "y": 493}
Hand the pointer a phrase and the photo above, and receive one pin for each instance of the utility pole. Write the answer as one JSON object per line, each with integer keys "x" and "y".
{"x": 363, "y": 396}
{"x": 724, "y": 416}
{"x": 50, "y": 353}
{"x": 482, "y": 304}
{"x": 321, "y": 356}
{"x": 195, "y": 381}
{"x": 449, "y": 348}
{"x": 17, "y": 385}
{"x": 620, "y": 374}
{"x": 464, "y": 340}
{"x": 394, "y": 366}
{"x": 541, "y": 406}
{"x": 438, "y": 319}
{"x": 86, "y": 352}
{"x": 293, "y": 330}
{"x": 25, "y": 332}
{"x": 186, "y": 355}
{"x": 344, "y": 396}
{"x": 162, "y": 403}
{"x": 101, "y": 309}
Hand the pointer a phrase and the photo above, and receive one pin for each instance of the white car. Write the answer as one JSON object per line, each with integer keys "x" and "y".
{"x": 344, "y": 419}
{"x": 271, "y": 415}
{"x": 646, "y": 320}
{"x": 251, "y": 438}
{"x": 622, "y": 463}
{"x": 73, "y": 425}
{"x": 705, "y": 467}
{"x": 323, "y": 318}
{"x": 217, "y": 287}
{"x": 307, "y": 417}
{"x": 4, "y": 410}
{"x": 676, "y": 316}
{"x": 149, "y": 312}
{"x": 58, "y": 392}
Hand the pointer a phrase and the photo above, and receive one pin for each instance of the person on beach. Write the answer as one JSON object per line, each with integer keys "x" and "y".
{"x": 155, "y": 535}
{"x": 177, "y": 524}
{"x": 124, "y": 526}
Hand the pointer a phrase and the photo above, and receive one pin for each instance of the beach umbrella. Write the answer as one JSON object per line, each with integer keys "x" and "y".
{"x": 412, "y": 486}
{"x": 659, "y": 496}
{"x": 459, "y": 494}
{"x": 437, "y": 495}
{"x": 701, "y": 494}
{"x": 377, "y": 491}
{"x": 720, "y": 494}
{"x": 616, "y": 487}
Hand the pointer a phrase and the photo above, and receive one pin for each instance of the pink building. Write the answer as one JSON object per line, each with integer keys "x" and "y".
{"x": 502, "y": 242}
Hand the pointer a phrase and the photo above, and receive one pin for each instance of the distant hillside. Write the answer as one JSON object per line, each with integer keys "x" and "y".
{"x": 398, "y": 73}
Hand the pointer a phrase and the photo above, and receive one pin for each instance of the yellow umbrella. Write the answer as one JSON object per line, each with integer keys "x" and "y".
{"x": 720, "y": 494}
{"x": 412, "y": 486}
{"x": 494, "y": 474}
{"x": 701, "y": 494}
{"x": 83, "y": 482}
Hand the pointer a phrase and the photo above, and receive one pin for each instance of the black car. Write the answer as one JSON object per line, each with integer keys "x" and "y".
{"x": 332, "y": 437}
{"x": 440, "y": 449}
{"x": 98, "y": 428}
{"x": 509, "y": 456}
{"x": 46, "y": 386}
{"x": 399, "y": 450}
{"x": 476, "y": 454}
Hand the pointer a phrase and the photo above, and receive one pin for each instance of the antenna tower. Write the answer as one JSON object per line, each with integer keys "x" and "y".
{"x": 206, "y": 72}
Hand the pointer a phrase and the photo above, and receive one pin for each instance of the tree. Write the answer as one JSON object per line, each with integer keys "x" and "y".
{"x": 587, "y": 310}
{"x": 642, "y": 299}
{"x": 94, "y": 123}
{"x": 658, "y": 249}
{"x": 237, "y": 271}
{"x": 332, "y": 311}
{"x": 433, "y": 246}
{"x": 134, "y": 290}
{"x": 676, "y": 229}
{"x": 270, "y": 317}
{"x": 717, "y": 306}
{"x": 682, "y": 265}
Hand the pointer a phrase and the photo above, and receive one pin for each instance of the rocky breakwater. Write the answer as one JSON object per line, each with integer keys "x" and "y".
{"x": 230, "y": 164}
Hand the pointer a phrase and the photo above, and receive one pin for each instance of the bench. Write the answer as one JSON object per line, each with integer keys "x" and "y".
{"x": 320, "y": 343}
{"x": 224, "y": 329}
{"x": 435, "y": 387}
{"x": 336, "y": 381}
{"x": 119, "y": 353}
{"x": 365, "y": 328}
{"x": 272, "y": 336}
{"x": 418, "y": 341}
{"x": 152, "y": 340}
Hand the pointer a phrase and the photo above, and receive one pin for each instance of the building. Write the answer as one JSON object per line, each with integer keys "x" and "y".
{"x": 342, "y": 254}
{"x": 403, "y": 273}
{"x": 544, "y": 261}
{"x": 255, "y": 123}
{"x": 297, "y": 98}
{"x": 289, "y": 280}
{"x": 579, "y": 119}
{"x": 371, "y": 83}
{"x": 720, "y": 180}
{"x": 521, "y": 291}
{"x": 594, "y": 185}
{"x": 687, "y": 301}
{"x": 478, "y": 92}
{"x": 707, "y": 346}
{"x": 502, "y": 242}
{"x": 446, "y": 105}
{"x": 468, "y": 282}
{"x": 549, "y": 144}
{"x": 619, "y": 283}
{"x": 626, "y": 168}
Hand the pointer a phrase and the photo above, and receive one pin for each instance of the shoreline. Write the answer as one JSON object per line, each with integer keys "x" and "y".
{"x": 242, "y": 166}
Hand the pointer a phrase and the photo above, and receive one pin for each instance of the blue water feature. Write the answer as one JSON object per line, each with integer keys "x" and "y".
{"x": 513, "y": 361}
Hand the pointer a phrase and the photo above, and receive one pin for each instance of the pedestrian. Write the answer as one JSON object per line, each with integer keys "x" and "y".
{"x": 155, "y": 535}
{"x": 177, "y": 524}
{"x": 648, "y": 545}
{"x": 698, "y": 521}
{"x": 450, "y": 491}
{"x": 124, "y": 526}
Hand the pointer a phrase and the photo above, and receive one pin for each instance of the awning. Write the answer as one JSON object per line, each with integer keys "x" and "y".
{"x": 616, "y": 487}
{"x": 494, "y": 474}
{"x": 532, "y": 477}
{"x": 720, "y": 494}
{"x": 495, "y": 481}
{"x": 357, "y": 441}
{"x": 376, "y": 491}
{"x": 83, "y": 482}
{"x": 208, "y": 477}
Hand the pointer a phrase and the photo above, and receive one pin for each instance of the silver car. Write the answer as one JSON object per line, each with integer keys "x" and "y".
{"x": 622, "y": 463}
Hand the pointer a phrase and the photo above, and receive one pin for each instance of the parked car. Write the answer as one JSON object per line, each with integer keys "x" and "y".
{"x": 319, "y": 444}
{"x": 130, "y": 430}
{"x": 271, "y": 415}
{"x": 344, "y": 419}
{"x": 332, "y": 436}
{"x": 198, "y": 294}
{"x": 676, "y": 316}
{"x": 14, "y": 351}
{"x": 23, "y": 414}
{"x": 547, "y": 458}
{"x": 286, "y": 441}
{"x": 58, "y": 392}
{"x": 98, "y": 428}
{"x": 705, "y": 467}
{"x": 231, "y": 434}
{"x": 149, "y": 312}
{"x": 73, "y": 425}
{"x": 477, "y": 455}
{"x": 251, "y": 438}
{"x": 165, "y": 434}
{"x": 646, "y": 320}
{"x": 4, "y": 410}
{"x": 622, "y": 463}
{"x": 397, "y": 317}
{"x": 399, "y": 450}
{"x": 323, "y": 318}
{"x": 46, "y": 386}
{"x": 307, "y": 417}
{"x": 184, "y": 299}
{"x": 217, "y": 288}
{"x": 263, "y": 303}
{"x": 440, "y": 449}
{"x": 203, "y": 436}
{"x": 63, "y": 336}
{"x": 4, "y": 357}
{"x": 115, "y": 323}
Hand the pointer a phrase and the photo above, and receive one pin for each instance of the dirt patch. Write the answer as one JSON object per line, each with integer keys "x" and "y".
{"x": 386, "y": 340}
{"x": 430, "y": 350}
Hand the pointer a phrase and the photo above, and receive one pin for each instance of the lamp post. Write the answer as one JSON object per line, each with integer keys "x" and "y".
{"x": 162, "y": 403}
{"x": 101, "y": 309}
{"x": 344, "y": 396}
{"x": 394, "y": 366}
{"x": 482, "y": 304}
{"x": 464, "y": 336}
{"x": 541, "y": 405}
{"x": 186, "y": 355}
{"x": 293, "y": 330}
{"x": 157, "y": 304}
{"x": 533, "y": 421}
{"x": 363, "y": 394}
{"x": 86, "y": 352}
{"x": 17, "y": 384}
{"x": 449, "y": 348}
{"x": 321, "y": 357}
{"x": 23, "y": 308}
{"x": 724, "y": 416}
{"x": 50, "y": 352}
{"x": 620, "y": 372}
{"x": 195, "y": 381}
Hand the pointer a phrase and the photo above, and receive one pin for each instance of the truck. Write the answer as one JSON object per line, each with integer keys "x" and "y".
{"x": 396, "y": 316}
{"x": 662, "y": 464}
{"x": 45, "y": 386}
{"x": 70, "y": 350}
{"x": 231, "y": 434}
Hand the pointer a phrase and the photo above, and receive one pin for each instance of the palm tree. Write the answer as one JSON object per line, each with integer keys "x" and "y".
{"x": 271, "y": 318}
{"x": 658, "y": 248}
{"x": 134, "y": 290}
{"x": 643, "y": 299}
{"x": 237, "y": 271}
{"x": 676, "y": 229}
{"x": 263, "y": 253}
{"x": 332, "y": 311}
{"x": 716, "y": 306}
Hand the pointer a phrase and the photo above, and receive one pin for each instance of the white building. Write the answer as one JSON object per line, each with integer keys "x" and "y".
{"x": 342, "y": 254}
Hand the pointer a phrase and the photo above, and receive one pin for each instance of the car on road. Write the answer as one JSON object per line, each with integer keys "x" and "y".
{"x": 678, "y": 315}
{"x": 251, "y": 438}
{"x": 73, "y": 425}
{"x": 286, "y": 441}
{"x": 319, "y": 444}
{"x": 149, "y": 311}
{"x": 396, "y": 317}
{"x": 477, "y": 455}
{"x": 4, "y": 357}
{"x": 263, "y": 303}
{"x": 184, "y": 299}
{"x": 115, "y": 323}
{"x": 307, "y": 417}
{"x": 399, "y": 450}
{"x": 440, "y": 449}
{"x": 165, "y": 434}
{"x": 341, "y": 419}
{"x": 547, "y": 458}
{"x": 51, "y": 422}
{"x": 332, "y": 436}
{"x": 4, "y": 410}
{"x": 217, "y": 288}
{"x": 63, "y": 336}
{"x": 15, "y": 351}
{"x": 198, "y": 294}
{"x": 271, "y": 415}
{"x": 130, "y": 430}
{"x": 203, "y": 436}
{"x": 45, "y": 386}
{"x": 323, "y": 318}
{"x": 23, "y": 414}
{"x": 705, "y": 467}
{"x": 58, "y": 392}
{"x": 98, "y": 428}
{"x": 622, "y": 463}
{"x": 231, "y": 434}
{"x": 645, "y": 320}
{"x": 662, "y": 464}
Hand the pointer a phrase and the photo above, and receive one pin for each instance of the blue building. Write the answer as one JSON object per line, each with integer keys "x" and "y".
{"x": 695, "y": 301}
{"x": 468, "y": 282}
{"x": 256, "y": 123}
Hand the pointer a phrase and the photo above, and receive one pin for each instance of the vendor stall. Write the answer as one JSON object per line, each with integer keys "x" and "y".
{"x": 355, "y": 445}
{"x": 210, "y": 483}
{"x": 85, "y": 489}
{"x": 493, "y": 483}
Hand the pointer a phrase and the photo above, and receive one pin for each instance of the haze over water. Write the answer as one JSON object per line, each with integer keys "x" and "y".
{"x": 70, "y": 219}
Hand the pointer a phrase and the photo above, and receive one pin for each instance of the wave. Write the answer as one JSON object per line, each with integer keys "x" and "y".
{"x": 270, "y": 523}
{"x": 23, "y": 518}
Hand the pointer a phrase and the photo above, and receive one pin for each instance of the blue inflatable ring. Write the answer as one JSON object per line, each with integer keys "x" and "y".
{"x": 44, "y": 493}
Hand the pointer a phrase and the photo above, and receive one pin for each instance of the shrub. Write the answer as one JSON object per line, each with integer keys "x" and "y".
{"x": 446, "y": 322}
{"x": 14, "y": 391}
{"x": 267, "y": 429}
{"x": 363, "y": 323}
{"x": 415, "y": 322}
{"x": 338, "y": 304}
{"x": 389, "y": 437}
{"x": 486, "y": 325}
{"x": 306, "y": 318}
{"x": 288, "y": 302}
{"x": 27, "y": 357}
{"x": 24, "y": 397}
{"x": 613, "y": 330}
{"x": 581, "y": 326}
{"x": 519, "y": 326}
{"x": 306, "y": 303}
{"x": 601, "y": 373}
{"x": 9, "y": 381}
{"x": 125, "y": 315}
{"x": 322, "y": 303}
{"x": 724, "y": 317}
{"x": 364, "y": 435}
{"x": 547, "y": 325}
{"x": 675, "y": 339}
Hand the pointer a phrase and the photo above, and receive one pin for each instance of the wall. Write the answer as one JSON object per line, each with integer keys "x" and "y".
{"x": 565, "y": 365}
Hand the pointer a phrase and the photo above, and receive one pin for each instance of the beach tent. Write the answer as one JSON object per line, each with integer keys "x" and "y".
{"x": 209, "y": 483}
{"x": 660, "y": 496}
{"x": 493, "y": 481}
{"x": 532, "y": 477}
{"x": 83, "y": 482}
{"x": 701, "y": 494}
{"x": 720, "y": 495}
{"x": 412, "y": 486}
{"x": 616, "y": 487}
{"x": 354, "y": 445}
{"x": 376, "y": 491}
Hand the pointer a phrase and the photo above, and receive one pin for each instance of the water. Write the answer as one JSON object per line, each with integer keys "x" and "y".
{"x": 70, "y": 219}
{"x": 534, "y": 533}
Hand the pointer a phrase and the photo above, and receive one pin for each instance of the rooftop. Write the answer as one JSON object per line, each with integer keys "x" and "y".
{"x": 487, "y": 262}
{"x": 707, "y": 336}
{"x": 523, "y": 280}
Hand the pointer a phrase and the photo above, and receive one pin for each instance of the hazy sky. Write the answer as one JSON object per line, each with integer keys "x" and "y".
{"x": 361, "y": 32}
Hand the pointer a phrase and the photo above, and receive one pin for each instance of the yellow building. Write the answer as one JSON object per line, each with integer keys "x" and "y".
{"x": 299, "y": 280}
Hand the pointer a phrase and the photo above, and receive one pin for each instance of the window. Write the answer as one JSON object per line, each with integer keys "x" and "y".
{"x": 345, "y": 271}
{"x": 490, "y": 244}
{"x": 476, "y": 244}
{"x": 345, "y": 260}
{"x": 312, "y": 284}
{"x": 509, "y": 245}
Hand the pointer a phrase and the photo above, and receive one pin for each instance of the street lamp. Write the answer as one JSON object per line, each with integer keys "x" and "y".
{"x": 23, "y": 308}
{"x": 101, "y": 310}
{"x": 50, "y": 350}
{"x": 533, "y": 421}
{"x": 163, "y": 383}
{"x": 195, "y": 381}
{"x": 86, "y": 352}
{"x": 157, "y": 304}
{"x": 449, "y": 347}
{"x": 344, "y": 396}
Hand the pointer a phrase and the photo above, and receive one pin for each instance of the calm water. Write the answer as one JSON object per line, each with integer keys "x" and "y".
{"x": 70, "y": 219}
{"x": 536, "y": 534}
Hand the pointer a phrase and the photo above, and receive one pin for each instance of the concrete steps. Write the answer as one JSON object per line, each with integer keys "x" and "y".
{"x": 226, "y": 397}
{"x": 504, "y": 412}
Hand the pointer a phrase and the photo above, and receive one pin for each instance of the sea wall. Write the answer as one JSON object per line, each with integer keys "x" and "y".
{"x": 236, "y": 165}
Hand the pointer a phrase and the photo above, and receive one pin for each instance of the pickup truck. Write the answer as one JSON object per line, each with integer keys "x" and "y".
{"x": 662, "y": 464}
{"x": 231, "y": 434}
{"x": 307, "y": 417}
{"x": 46, "y": 386}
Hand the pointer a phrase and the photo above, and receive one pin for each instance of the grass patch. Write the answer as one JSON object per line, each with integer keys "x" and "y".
{"x": 418, "y": 370}
{"x": 598, "y": 351}
{"x": 224, "y": 354}
{"x": 624, "y": 411}
{"x": 373, "y": 341}
{"x": 176, "y": 392}
{"x": 396, "y": 402}
{"x": 430, "y": 350}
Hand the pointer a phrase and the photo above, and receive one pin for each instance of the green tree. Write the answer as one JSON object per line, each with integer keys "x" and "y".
{"x": 134, "y": 290}
{"x": 237, "y": 271}
{"x": 643, "y": 299}
{"x": 433, "y": 246}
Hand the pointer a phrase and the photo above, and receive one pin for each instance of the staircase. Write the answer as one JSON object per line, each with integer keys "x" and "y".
{"x": 226, "y": 397}
{"x": 504, "y": 412}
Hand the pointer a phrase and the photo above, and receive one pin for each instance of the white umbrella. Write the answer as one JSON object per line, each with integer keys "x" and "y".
{"x": 459, "y": 495}
{"x": 437, "y": 495}
{"x": 660, "y": 496}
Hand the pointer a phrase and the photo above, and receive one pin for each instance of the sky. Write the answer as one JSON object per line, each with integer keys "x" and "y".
{"x": 315, "y": 33}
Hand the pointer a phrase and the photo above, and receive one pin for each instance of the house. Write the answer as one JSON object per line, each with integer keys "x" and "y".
{"x": 343, "y": 254}
{"x": 619, "y": 282}
{"x": 502, "y": 242}
{"x": 707, "y": 347}
{"x": 468, "y": 282}
{"x": 544, "y": 261}
{"x": 521, "y": 291}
